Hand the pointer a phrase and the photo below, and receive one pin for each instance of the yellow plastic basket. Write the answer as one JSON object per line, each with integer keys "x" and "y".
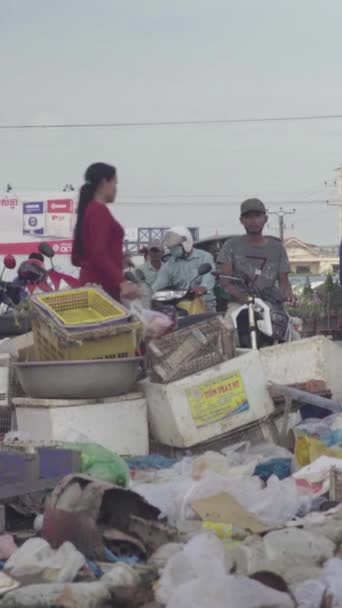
{"x": 81, "y": 307}
{"x": 122, "y": 341}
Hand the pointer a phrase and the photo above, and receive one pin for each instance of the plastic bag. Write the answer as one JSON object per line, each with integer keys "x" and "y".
{"x": 7, "y": 546}
{"x": 201, "y": 552}
{"x": 101, "y": 463}
{"x": 227, "y": 591}
{"x": 309, "y": 594}
{"x": 36, "y": 558}
{"x": 196, "y": 578}
{"x": 242, "y": 460}
{"x": 278, "y": 502}
{"x": 275, "y": 503}
{"x": 223, "y": 531}
{"x": 121, "y": 575}
{"x": 316, "y": 438}
{"x": 155, "y": 324}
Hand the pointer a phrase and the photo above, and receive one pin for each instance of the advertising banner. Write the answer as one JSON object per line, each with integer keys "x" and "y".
{"x": 59, "y": 218}
{"x": 33, "y": 218}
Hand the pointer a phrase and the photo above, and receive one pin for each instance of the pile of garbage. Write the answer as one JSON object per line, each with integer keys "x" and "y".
{"x": 244, "y": 527}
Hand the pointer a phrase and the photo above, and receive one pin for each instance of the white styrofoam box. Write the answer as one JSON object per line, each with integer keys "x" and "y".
{"x": 117, "y": 423}
{"x": 316, "y": 358}
{"x": 5, "y": 380}
{"x": 198, "y": 408}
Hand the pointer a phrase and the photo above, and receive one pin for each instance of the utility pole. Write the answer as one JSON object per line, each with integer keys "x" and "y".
{"x": 339, "y": 204}
{"x": 281, "y": 222}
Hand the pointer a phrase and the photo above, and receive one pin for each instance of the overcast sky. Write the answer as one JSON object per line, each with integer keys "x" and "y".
{"x": 71, "y": 61}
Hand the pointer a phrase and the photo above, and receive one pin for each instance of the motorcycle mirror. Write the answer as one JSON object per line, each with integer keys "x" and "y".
{"x": 129, "y": 276}
{"x": 204, "y": 269}
{"x": 140, "y": 275}
{"x": 10, "y": 262}
{"x": 46, "y": 250}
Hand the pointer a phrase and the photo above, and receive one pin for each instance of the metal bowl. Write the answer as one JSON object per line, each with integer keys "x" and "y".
{"x": 78, "y": 379}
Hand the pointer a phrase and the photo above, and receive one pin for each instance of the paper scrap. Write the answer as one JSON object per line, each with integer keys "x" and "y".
{"x": 223, "y": 508}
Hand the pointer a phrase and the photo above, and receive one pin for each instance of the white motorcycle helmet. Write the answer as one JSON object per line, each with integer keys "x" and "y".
{"x": 179, "y": 235}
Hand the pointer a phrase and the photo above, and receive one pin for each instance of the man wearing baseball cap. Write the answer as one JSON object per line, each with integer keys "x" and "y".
{"x": 153, "y": 262}
{"x": 260, "y": 261}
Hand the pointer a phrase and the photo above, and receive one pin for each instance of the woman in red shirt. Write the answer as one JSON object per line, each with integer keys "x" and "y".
{"x": 98, "y": 237}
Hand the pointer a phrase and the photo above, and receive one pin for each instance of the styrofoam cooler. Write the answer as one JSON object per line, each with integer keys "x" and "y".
{"x": 117, "y": 423}
{"x": 208, "y": 404}
{"x": 316, "y": 358}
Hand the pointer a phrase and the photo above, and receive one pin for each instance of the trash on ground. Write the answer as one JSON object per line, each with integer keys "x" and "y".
{"x": 36, "y": 561}
{"x": 224, "y": 509}
{"x": 98, "y": 462}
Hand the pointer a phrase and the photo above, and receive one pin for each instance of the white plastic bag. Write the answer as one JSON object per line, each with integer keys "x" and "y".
{"x": 196, "y": 578}
{"x": 309, "y": 594}
{"x": 36, "y": 558}
{"x": 278, "y": 502}
{"x": 275, "y": 503}
{"x": 201, "y": 552}
{"x": 156, "y": 324}
{"x": 227, "y": 592}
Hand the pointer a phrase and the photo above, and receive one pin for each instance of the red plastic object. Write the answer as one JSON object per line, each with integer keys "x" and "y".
{"x": 10, "y": 261}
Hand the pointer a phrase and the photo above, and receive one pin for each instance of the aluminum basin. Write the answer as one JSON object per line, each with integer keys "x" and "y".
{"x": 78, "y": 379}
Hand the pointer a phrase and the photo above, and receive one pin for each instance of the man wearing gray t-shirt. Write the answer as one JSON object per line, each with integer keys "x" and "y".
{"x": 260, "y": 261}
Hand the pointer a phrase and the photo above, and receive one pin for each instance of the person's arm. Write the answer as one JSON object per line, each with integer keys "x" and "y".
{"x": 285, "y": 287}
{"x": 225, "y": 266}
{"x": 283, "y": 277}
{"x": 208, "y": 280}
{"x": 230, "y": 286}
{"x": 100, "y": 228}
{"x": 75, "y": 260}
{"x": 163, "y": 279}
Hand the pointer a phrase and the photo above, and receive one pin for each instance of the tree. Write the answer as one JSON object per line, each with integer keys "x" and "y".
{"x": 307, "y": 290}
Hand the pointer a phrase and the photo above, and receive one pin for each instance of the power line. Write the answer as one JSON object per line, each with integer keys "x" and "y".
{"x": 171, "y": 123}
{"x": 212, "y": 203}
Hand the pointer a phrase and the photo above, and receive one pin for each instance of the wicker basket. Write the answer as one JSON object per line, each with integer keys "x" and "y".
{"x": 190, "y": 350}
{"x": 254, "y": 433}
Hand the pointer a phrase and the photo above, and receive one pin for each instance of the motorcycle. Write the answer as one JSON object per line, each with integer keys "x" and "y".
{"x": 10, "y": 297}
{"x": 46, "y": 280}
{"x": 32, "y": 278}
{"x": 261, "y": 321}
{"x": 180, "y": 304}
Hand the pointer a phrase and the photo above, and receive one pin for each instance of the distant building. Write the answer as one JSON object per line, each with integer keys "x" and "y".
{"x": 306, "y": 258}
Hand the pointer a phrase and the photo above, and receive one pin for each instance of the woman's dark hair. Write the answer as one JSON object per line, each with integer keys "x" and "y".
{"x": 93, "y": 177}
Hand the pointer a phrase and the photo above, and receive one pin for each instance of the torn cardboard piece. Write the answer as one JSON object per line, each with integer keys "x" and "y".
{"x": 224, "y": 509}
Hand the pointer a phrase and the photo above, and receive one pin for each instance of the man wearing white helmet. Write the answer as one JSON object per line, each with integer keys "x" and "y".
{"x": 183, "y": 265}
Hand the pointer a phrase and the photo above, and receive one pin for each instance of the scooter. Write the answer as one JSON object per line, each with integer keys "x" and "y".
{"x": 183, "y": 302}
{"x": 37, "y": 279}
{"x": 259, "y": 323}
{"x": 181, "y": 306}
{"x": 33, "y": 278}
{"x": 10, "y": 297}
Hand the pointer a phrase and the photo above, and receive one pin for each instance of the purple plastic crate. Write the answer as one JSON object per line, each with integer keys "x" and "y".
{"x": 17, "y": 468}
{"x": 57, "y": 462}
